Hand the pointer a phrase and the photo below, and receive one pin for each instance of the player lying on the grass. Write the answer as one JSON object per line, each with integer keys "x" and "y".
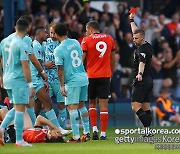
{"x": 34, "y": 134}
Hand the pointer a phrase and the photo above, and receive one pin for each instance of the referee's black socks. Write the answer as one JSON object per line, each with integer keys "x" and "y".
{"x": 143, "y": 117}
{"x": 149, "y": 114}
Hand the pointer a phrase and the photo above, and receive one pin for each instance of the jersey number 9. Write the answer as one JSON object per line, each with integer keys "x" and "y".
{"x": 101, "y": 50}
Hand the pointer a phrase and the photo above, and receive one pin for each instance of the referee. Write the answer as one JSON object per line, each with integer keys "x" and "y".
{"x": 142, "y": 82}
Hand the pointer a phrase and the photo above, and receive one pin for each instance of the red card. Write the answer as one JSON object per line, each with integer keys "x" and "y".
{"x": 132, "y": 10}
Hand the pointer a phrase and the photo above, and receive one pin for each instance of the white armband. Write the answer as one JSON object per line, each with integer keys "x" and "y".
{"x": 43, "y": 72}
{"x": 30, "y": 84}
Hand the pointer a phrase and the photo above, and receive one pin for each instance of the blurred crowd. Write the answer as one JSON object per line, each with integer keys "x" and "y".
{"x": 162, "y": 33}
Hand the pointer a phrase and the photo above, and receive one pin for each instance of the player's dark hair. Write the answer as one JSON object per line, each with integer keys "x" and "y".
{"x": 59, "y": 139}
{"x": 22, "y": 25}
{"x": 28, "y": 18}
{"x": 60, "y": 29}
{"x": 93, "y": 24}
{"x": 140, "y": 31}
{"x": 37, "y": 29}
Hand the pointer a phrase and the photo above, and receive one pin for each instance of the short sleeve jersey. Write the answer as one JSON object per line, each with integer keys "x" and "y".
{"x": 37, "y": 50}
{"x": 13, "y": 51}
{"x": 69, "y": 54}
{"x": 98, "y": 48}
{"x": 27, "y": 40}
{"x": 143, "y": 54}
{"x": 49, "y": 56}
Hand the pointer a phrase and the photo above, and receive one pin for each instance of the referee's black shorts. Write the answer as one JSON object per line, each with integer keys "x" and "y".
{"x": 99, "y": 87}
{"x": 141, "y": 90}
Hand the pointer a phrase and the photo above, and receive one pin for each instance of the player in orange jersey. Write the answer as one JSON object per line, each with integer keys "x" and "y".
{"x": 99, "y": 53}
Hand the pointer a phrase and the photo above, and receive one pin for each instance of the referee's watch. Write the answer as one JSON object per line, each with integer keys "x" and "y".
{"x": 140, "y": 73}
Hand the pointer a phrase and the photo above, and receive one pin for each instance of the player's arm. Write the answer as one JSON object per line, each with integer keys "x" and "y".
{"x": 38, "y": 66}
{"x": 112, "y": 61}
{"x": 1, "y": 73}
{"x": 84, "y": 56}
{"x": 133, "y": 25}
{"x": 140, "y": 71}
{"x": 27, "y": 74}
{"x": 61, "y": 79}
{"x": 40, "y": 121}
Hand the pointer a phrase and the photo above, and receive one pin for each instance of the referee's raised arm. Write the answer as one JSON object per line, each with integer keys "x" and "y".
{"x": 133, "y": 25}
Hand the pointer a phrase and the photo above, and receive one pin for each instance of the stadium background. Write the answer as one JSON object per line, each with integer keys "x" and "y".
{"x": 115, "y": 23}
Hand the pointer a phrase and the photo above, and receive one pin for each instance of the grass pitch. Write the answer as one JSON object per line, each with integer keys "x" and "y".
{"x": 90, "y": 147}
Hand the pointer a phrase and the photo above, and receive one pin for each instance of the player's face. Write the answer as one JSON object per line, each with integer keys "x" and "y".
{"x": 44, "y": 34}
{"x": 137, "y": 39}
{"x": 88, "y": 30}
{"x": 53, "y": 34}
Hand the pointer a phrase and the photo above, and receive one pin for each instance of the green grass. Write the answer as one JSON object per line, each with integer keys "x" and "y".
{"x": 90, "y": 147}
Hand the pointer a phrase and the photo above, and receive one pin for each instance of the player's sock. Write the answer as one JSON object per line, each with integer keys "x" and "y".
{"x": 8, "y": 118}
{"x": 74, "y": 118}
{"x": 103, "y": 134}
{"x": 93, "y": 116}
{"x": 95, "y": 129}
{"x": 62, "y": 117}
{"x": 19, "y": 124}
{"x": 142, "y": 117}
{"x": 85, "y": 120}
{"x": 103, "y": 120}
{"x": 32, "y": 115}
{"x": 149, "y": 114}
{"x": 52, "y": 117}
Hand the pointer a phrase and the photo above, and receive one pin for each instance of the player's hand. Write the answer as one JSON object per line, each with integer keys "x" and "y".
{"x": 63, "y": 92}
{"x": 49, "y": 64}
{"x": 131, "y": 16}
{"x": 32, "y": 92}
{"x": 46, "y": 85}
{"x": 44, "y": 76}
{"x": 1, "y": 82}
{"x": 139, "y": 77}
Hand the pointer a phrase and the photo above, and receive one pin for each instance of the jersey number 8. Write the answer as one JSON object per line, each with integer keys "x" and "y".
{"x": 76, "y": 61}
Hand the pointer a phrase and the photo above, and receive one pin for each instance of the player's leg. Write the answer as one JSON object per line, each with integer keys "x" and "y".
{"x": 138, "y": 94}
{"x": 62, "y": 114}
{"x": 84, "y": 113}
{"x": 92, "y": 93}
{"x": 30, "y": 110}
{"x": 72, "y": 100}
{"x": 7, "y": 120}
{"x": 46, "y": 101}
{"x": 103, "y": 95}
{"x": 21, "y": 98}
{"x": 146, "y": 102}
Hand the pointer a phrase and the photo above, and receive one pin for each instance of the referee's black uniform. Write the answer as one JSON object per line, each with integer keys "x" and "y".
{"x": 141, "y": 90}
